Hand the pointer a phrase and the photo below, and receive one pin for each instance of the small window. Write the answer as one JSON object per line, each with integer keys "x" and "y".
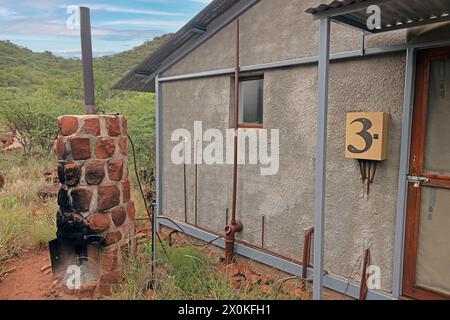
{"x": 251, "y": 93}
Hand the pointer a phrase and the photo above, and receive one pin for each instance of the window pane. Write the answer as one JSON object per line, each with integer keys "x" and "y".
{"x": 437, "y": 140}
{"x": 433, "y": 258}
{"x": 251, "y": 101}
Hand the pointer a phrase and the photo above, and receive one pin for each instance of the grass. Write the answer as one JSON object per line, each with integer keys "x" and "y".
{"x": 184, "y": 272}
{"x": 25, "y": 221}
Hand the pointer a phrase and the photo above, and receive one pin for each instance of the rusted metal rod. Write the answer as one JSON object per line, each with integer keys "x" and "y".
{"x": 307, "y": 245}
{"x": 196, "y": 187}
{"x": 235, "y": 226}
{"x": 363, "y": 288}
{"x": 263, "y": 231}
{"x": 88, "y": 65}
{"x": 236, "y": 124}
{"x": 185, "y": 193}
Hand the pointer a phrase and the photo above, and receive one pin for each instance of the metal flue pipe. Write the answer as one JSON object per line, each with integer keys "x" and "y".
{"x": 234, "y": 226}
{"x": 86, "y": 55}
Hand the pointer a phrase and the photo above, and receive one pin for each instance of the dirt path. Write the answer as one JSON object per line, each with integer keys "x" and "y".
{"x": 28, "y": 282}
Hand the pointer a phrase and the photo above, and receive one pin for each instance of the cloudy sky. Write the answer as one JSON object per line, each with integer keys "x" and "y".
{"x": 42, "y": 25}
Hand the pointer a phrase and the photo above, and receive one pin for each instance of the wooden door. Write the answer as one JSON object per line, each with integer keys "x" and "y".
{"x": 427, "y": 243}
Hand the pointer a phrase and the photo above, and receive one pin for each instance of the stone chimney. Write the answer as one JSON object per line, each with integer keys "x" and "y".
{"x": 96, "y": 215}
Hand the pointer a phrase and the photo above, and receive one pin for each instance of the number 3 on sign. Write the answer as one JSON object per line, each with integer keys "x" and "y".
{"x": 367, "y": 136}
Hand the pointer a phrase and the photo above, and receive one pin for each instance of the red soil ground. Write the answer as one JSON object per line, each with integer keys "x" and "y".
{"x": 28, "y": 282}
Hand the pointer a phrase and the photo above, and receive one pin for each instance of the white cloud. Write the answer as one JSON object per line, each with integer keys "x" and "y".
{"x": 117, "y": 9}
{"x": 8, "y": 14}
{"x": 144, "y": 23}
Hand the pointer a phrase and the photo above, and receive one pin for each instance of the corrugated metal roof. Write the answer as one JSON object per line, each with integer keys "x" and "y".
{"x": 138, "y": 78}
{"x": 395, "y": 14}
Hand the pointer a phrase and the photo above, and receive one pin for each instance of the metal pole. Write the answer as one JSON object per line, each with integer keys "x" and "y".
{"x": 235, "y": 226}
{"x": 158, "y": 211}
{"x": 88, "y": 66}
{"x": 236, "y": 124}
{"x": 321, "y": 156}
{"x": 403, "y": 172}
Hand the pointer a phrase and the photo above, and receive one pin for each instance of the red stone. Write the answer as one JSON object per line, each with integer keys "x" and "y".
{"x": 112, "y": 238}
{"x": 131, "y": 210}
{"x": 81, "y": 199}
{"x": 60, "y": 149}
{"x": 108, "y": 197}
{"x": 108, "y": 281}
{"x": 124, "y": 126}
{"x": 119, "y": 216}
{"x": 81, "y": 148}
{"x": 94, "y": 172}
{"x": 126, "y": 191}
{"x": 105, "y": 148}
{"x": 99, "y": 222}
{"x": 129, "y": 229}
{"x": 110, "y": 260}
{"x": 87, "y": 290}
{"x": 113, "y": 125}
{"x": 123, "y": 145}
{"x": 115, "y": 170}
{"x": 68, "y": 125}
{"x": 92, "y": 126}
{"x": 72, "y": 174}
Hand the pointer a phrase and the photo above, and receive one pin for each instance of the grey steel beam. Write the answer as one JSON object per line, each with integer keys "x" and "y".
{"x": 321, "y": 157}
{"x": 205, "y": 74}
{"x": 305, "y": 61}
{"x": 333, "y": 282}
{"x": 159, "y": 163}
{"x": 411, "y": 24}
{"x": 408, "y": 104}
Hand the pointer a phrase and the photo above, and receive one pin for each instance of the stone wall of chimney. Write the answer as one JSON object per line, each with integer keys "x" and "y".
{"x": 93, "y": 170}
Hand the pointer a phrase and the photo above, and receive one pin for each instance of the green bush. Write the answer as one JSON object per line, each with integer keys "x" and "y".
{"x": 32, "y": 118}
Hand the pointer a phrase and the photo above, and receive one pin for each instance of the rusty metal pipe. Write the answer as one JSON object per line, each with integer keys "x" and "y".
{"x": 185, "y": 193}
{"x": 263, "y": 231}
{"x": 230, "y": 239}
{"x": 88, "y": 65}
{"x": 234, "y": 226}
{"x": 307, "y": 245}
{"x": 196, "y": 187}
{"x": 363, "y": 288}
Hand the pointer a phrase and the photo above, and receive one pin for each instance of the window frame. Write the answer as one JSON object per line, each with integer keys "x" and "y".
{"x": 244, "y": 125}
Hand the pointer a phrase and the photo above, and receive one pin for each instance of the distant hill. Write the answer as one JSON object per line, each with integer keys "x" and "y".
{"x": 28, "y": 70}
{"x": 36, "y": 88}
{"x": 121, "y": 63}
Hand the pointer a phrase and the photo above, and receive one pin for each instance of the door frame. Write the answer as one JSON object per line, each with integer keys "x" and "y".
{"x": 410, "y": 289}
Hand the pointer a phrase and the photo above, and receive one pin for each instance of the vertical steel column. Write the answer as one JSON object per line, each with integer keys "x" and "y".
{"x": 321, "y": 157}
{"x": 88, "y": 66}
{"x": 408, "y": 104}
{"x": 159, "y": 141}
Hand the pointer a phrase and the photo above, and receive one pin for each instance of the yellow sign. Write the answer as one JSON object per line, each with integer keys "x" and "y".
{"x": 367, "y": 136}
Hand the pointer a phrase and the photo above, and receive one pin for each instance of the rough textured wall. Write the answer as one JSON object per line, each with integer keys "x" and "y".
{"x": 185, "y": 102}
{"x": 273, "y": 31}
{"x": 287, "y": 199}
